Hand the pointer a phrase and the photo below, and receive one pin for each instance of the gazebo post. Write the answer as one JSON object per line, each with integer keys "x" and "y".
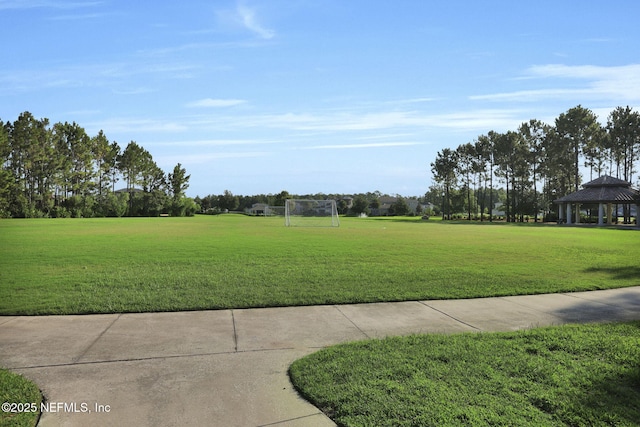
{"x": 609, "y": 212}
{"x": 561, "y": 212}
{"x": 569, "y": 213}
{"x": 638, "y": 215}
{"x": 577, "y": 213}
{"x": 600, "y": 213}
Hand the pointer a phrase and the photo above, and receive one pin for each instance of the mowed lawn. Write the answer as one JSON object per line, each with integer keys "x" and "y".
{"x": 104, "y": 265}
{"x": 573, "y": 375}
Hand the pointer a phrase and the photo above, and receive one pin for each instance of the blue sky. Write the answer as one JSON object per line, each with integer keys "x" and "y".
{"x": 311, "y": 96}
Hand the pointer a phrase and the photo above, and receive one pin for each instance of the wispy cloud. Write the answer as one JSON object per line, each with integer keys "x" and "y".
{"x": 215, "y": 103}
{"x": 193, "y": 159}
{"x": 51, "y": 4}
{"x": 133, "y": 91}
{"x": 383, "y": 136}
{"x": 363, "y": 125}
{"x": 531, "y": 95}
{"x": 397, "y": 120}
{"x": 214, "y": 142}
{"x": 413, "y": 101}
{"x": 78, "y": 17}
{"x": 618, "y": 83}
{"x": 128, "y": 125}
{"x": 90, "y": 75}
{"x": 368, "y": 145}
{"x": 623, "y": 72}
{"x": 341, "y": 122}
{"x": 250, "y": 21}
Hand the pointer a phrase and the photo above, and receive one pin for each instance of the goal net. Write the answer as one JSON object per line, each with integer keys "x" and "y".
{"x": 311, "y": 213}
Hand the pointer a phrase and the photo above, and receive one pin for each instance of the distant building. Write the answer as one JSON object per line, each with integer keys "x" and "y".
{"x": 386, "y": 202}
{"x": 497, "y": 211}
{"x": 348, "y": 201}
{"x": 258, "y": 209}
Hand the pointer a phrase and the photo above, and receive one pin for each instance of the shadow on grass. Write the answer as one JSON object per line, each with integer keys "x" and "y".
{"x": 417, "y": 220}
{"x": 465, "y": 222}
{"x": 617, "y": 397}
{"x": 500, "y": 223}
{"x": 613, "y": 398}
{"x": 506, "y": 224}
{"x": 618, "y": 273}
{"x": 613, "y": 395}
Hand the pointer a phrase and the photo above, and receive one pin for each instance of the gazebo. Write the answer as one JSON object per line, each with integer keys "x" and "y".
{"x": 605, "y": 192}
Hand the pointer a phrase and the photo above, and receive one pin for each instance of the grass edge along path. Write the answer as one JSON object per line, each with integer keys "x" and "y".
{"x": 18, "y": 390}
{"x": 554, "y": 376}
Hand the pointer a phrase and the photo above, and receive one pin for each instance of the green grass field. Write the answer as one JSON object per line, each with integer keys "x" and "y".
{"x": 212, "y": 262}
{"x": 539, "y": 377}
{"x": 562, "y": 376}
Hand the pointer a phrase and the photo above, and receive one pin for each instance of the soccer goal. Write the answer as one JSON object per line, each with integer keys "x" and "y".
{"x": 311, "y": 213}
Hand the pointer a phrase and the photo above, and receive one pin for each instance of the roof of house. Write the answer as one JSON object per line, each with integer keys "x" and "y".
{"x": 387, "y": 199}
{"x": 129, "y": 190}
{"x": 605, "y": 189}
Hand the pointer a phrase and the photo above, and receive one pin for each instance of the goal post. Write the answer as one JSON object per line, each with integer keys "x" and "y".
{"x": 311, "y": 213}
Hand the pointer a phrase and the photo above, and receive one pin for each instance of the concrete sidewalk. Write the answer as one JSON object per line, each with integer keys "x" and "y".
{"x": 229, "y": 367}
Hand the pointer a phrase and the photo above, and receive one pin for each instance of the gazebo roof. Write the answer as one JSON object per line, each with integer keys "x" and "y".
{"x": 607, "y": 181}
{"x": 605, "y": 189}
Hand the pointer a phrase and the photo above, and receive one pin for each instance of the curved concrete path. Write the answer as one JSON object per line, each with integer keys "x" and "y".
{"x": 229, "y": 367}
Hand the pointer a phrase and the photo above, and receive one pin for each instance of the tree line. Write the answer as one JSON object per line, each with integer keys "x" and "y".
{"x": 361, "y": 203}
{"x": 60, "y": 171}
{"x": 536, "y": 164}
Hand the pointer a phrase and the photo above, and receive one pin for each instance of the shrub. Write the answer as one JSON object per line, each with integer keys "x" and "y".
{"x": 60, "y": 212}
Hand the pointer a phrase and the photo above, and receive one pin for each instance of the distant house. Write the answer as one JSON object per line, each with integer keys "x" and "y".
{"x": 413, "y": 205}
{"x": 129, "y": 190}
{"x": 496, "y": 211}
{"x": 348, "y": 201}
{"x": 384, "y": 205}
{"x": 258, "y": 209}
{"x": 386, "y": 202}
{"x": 428, "y": 207}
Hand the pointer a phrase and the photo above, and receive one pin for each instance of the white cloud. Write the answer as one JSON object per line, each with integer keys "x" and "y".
{"x": 82, "y": 75}
{"x": 214, "y": 103}
{"x": 616, "y": 83}
{"x": 32, "y": 4}
{"x": 213, "y": 142}
{"x": 134, "y": 91}
{"x": 125, "y": 125}
{"x": 387, "y": 136}
{"x": 250, "y": 21}
{"x": 585, "y": 71}
{"x": 400, "y": 124}
{"x": 78, "y": 17}
{"x": 199, "y": 158}
{"x": 474, "y": 119}
{"x": 333, "y": 122}
{"x": 529, "y": 95}
{"x": 413, "y": 100}
{"x": 369, "y": 145}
